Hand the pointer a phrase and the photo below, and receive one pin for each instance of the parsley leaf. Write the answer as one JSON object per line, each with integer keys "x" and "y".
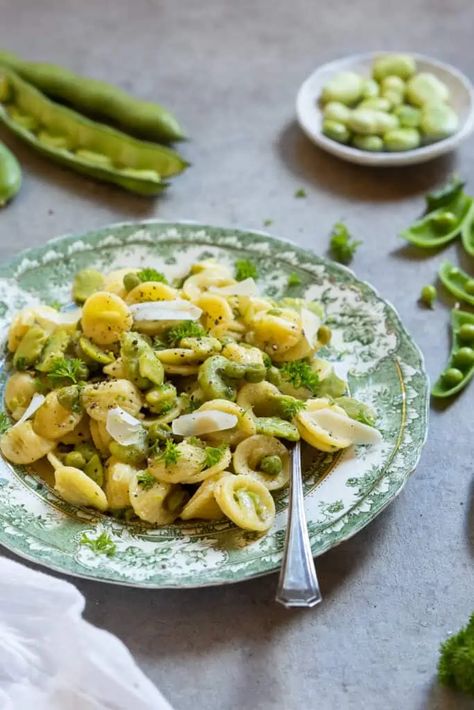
{"x": 102, "y": 545}
{"x": 290, "y": 406}
{"x": 301, "y": 192}
{"x": 245, "y": 269}
{"x": 186, "y": 329}
{"x": 152, "y": 275}
{"x": 213, "y": 455}
{"x": 267, "y": 222}
{"x": 146, "y": 480}
{"x": 299, "y": 373}
{"x": 293, "y": 279}
{"x": 4, "y": 422}
{"x": 341, "y": 246}
{"x": 71, "y": 369}
{"x": 195, "y": 441}
{"x": 170, "y": 454}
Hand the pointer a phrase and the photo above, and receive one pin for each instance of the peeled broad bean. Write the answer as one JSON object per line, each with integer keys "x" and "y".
{"x": 402, "y": 139}
{"x": 371, "y": 89}
{"x": 438, "y": 121}
{"x": 426, "y": 88}
{"x": 379, "y": 103}
{"x": 372, "y": 143}
{"x": 336, "y": 111}
{"x": 371, "y": 122}
{"x": 345, "y": 87}
{"x": 409, "y": 116}
{"x": 392, "y": 83}
{"x": 337, "y": 131}
{"x": 401, "y": 65}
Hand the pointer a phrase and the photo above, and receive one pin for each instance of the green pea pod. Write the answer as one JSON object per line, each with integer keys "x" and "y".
{"x": 10, "y": 175}
{"x": 98, "y": 99}
{"x": 441, "y": 225}
{"x": 460, "y": 368}
{"x": 457, "y": 282}
{"x": 467, "y": 233}
{"x": 445, "y": 194}
{"x": 87, "y": 147}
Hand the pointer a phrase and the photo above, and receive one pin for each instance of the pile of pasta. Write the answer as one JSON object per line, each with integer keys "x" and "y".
{"x": 163, "y": 400}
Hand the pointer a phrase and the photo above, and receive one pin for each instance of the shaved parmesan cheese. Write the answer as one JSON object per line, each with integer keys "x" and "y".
{"x": 122, "y": 427}
{"x": 247, "y": 287}
{"x": 178, "y": 309}
{"x": 36, "y": 402}
{"x": 343, "y": 427}
{"x": 311, "y": 324}
{"x": 203, "y": 422}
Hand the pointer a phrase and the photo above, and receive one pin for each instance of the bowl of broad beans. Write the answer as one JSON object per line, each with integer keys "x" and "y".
{"x": 386, "y": 108}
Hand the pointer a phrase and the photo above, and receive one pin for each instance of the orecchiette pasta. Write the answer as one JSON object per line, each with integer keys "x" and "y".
{"x": 157, "y": 401}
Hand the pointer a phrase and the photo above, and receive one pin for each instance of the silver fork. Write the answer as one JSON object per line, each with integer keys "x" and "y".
{"x": 298, "y": 584}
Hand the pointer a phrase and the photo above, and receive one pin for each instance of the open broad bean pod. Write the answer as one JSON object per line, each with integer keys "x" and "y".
{"x": 83, "y": 145}
{"x": 460, "y": 368}
{"x": 98, "y": 99}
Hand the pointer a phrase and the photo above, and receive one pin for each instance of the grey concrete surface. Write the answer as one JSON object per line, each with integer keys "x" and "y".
{"x": 230, "y": 70}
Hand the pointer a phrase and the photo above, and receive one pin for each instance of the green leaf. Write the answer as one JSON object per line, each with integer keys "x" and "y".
{"x": 170, "y": 454}
{"x": 213, "y": 455}
{"x": 71, "y": 369}
{"x": 300, "y": 193}
{"x": 245, "y": 269}
{"x": 146, "y": 480}
{"x": 152, "y": 275}
{"x": 299, "y": 373}
{"x": 186, "y": 329}
{"x": 342, "y": 247}
{"x": 102, "y": 545}
{"x": 293, "y": 280}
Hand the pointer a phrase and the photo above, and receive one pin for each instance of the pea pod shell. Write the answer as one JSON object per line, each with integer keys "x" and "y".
{"x": 98, "y": 99}
{"x": 467, "y": 232}
{"x": 455, "y": 280}
{"x": 422, "y": 234}
{"x": 440, "y": 388}
{"x": 10, "y": 175}
{"x": 144, "y": 163}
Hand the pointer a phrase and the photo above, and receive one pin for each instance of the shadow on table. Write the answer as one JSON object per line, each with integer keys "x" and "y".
{"x": 357, "y": 182}
{"x": 110, "y": 196}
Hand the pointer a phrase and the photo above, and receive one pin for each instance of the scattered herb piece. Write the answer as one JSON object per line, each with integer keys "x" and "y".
{"x": 4, "y": 422}
{"x": 301, "y": 192}
{"x": 428, "y": 295}
{"x": 213, "y": 455}
{"x": 299, "y": 373}
{"x": 71, "y": 369}
{"x": 170, "y": 454}
{"x": 267, "y": 222}
{"x": 341, "y": 246}
{"x": 293, "y": 279}
{"x": 245, "y": 269}
{"x": 186, "y": 329}
{"x": 195, "y": 441}
{"x": 102, "y": 545}
{"x": 146, "y": 480}
{"x": 456, "y": 662}
{"x": 152, "y": 275}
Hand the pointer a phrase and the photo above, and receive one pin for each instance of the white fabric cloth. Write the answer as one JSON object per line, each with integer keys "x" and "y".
{"x": 52, "y": 659}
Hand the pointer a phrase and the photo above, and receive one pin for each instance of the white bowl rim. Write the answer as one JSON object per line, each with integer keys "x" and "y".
{"x": 416, "y": 155}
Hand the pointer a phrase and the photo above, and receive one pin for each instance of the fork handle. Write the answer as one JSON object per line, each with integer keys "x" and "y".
{"x": 298, "y": 584}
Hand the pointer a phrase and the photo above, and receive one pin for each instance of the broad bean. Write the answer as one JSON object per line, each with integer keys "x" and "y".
{"x": 372, "y": 143}
{"x": 98, "y": 99}
{"x": 409, "y": 116}
{"x": 438, "y": 121}
{"x": 90, "y": 148}
{"x": 336, "y": 131}
{"x": 337, "y": 111}
{"x": 402, "y": 139}
{"x": 401, "y": 65}
{"x": 424, "y": 88}
{"x": 372, "y": 122}
{"x": 346, "y": 87}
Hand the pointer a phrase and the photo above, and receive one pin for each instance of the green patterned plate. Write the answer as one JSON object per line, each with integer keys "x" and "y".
{"x": 343, "y": 492}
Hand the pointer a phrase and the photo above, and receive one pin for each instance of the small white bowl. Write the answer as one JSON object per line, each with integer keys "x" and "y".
{"x": 310, "y": 116}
